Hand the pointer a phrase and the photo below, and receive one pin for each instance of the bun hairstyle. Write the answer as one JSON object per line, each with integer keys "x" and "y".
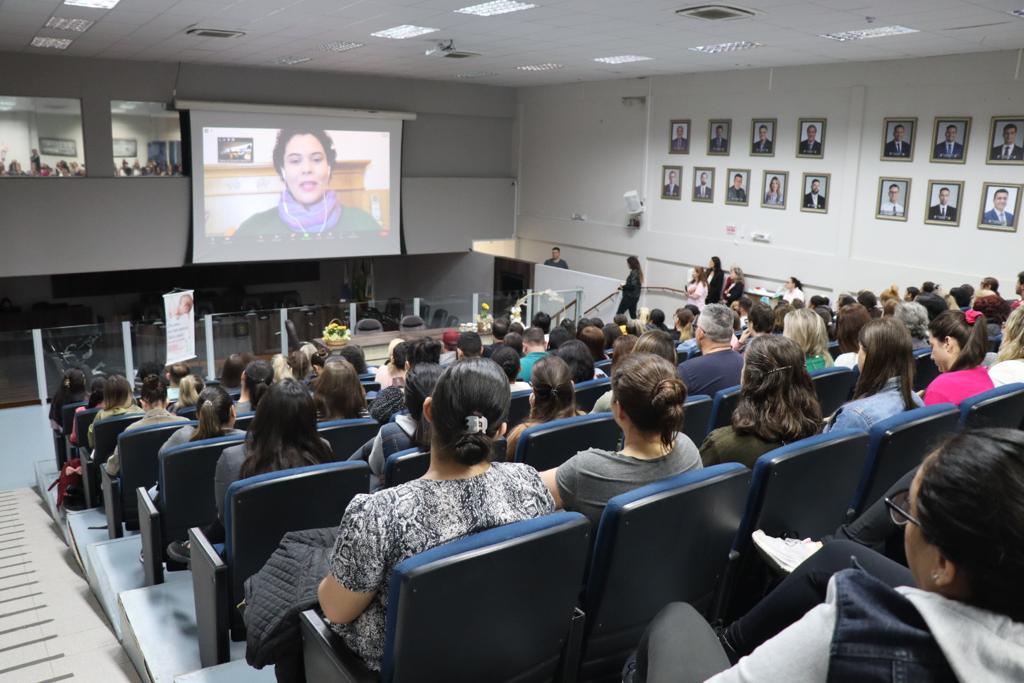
{"x": 647, "y": 389}
{"x": 467, "y": 391}
{"x": 553, "y": 393}
{"x": 970, "y": 507}
{"x": 213, "y": 410}
{"x": 153, "y": 390}
{"x": 972, "y": 337}
{"x": 258, "y": 378}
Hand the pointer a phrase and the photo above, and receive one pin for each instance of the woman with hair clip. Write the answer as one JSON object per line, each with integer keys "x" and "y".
{"x": 462, "y": 493}
{"x": 959, "y": 343}
{"x": 647, "y": 404}
{"x": 777, "y": 404}
{"x": 215, "y": 416}
{"x": 338, "y": 393}
{"x": 71, "y": 390}
{"x": 256, "y": 380}
{"x": 654, "y": 342}
{"x": 154, "y": 401}
{"x": 631, "y": 288}
{"x": 885, "y": 386}
{"x": 188, "y": 392}
{"x": 553, "y": 398}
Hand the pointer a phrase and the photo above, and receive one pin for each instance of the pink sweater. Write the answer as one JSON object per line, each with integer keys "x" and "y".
{"x": 953, "y": 387}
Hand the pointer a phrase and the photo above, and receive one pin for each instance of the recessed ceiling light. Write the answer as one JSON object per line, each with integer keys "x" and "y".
{"x": 489, "y": 9}
{"x": 292, "y": 60}
{"x": 55, "y": 43}
{"x": 77, "y": 25}
{"x": 726, "y": 47}
{"x": 340, "y": 46}
{"x": 95, "y": 4}
{"x": 477, "y": 74}
{"x": 880, "y": 32}
{"x": 622, "y": 59}
{"x": 404, "y": 31}
{"x": 539, "y": 67}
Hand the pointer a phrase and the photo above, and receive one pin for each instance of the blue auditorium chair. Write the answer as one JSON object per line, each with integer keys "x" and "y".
{"x": 258, "y": 512}
{"x": 189, "y": 412}
{"x": 346, "y": 436}
{"x": 898, "y": 444}
{"x": 82, "y": 422}
{"x": 721, "y": 409}
{"x": 925, "y": 369}
{"x": 519, "y": 408}
{"x": 999, "y": 407}
{"x": 405, "y": 466}
{"x": 696, "y": 415}
{"x": 105, "y": 433}
{"x": 548, "y": 445}
{"x": 663, "y": 542}
{"x": 588, "y": 392}
{"x": 833, "y": 387}
{"x": 514, "y": 587}
{"x": 67, "y": 421}
{"x": 605, "y": 366}
{"x": 243, "y": 420}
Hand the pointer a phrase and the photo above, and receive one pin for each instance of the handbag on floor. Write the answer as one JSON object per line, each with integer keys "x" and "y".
{"x": 69, "y": 485}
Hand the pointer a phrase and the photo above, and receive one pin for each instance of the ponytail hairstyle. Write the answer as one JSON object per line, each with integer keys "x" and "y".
{"x": 969, "y": 331}
{"x": 96, "y": 390}
{"x": 299, "y": 363}
{"x": 117, "y": 393}
{"x": 888, "y": 353}
{"x": 647, "y": 389}
{"x": 419, "y": 384}
{"x": 189, "y": 390}
{"x": 154, "y": 391}
{"x": 338, "y": 393}
{"x": 777, "y": 399}
{"x": 471, "y": 389}
{"x": 283, "y": 432}
{"x": 553, "y": 393}
{"x": 71, "y": 390}
{"x": 258, "y": 378}
{"x": 213, "y": 410}
{"x": 231, "y": 372}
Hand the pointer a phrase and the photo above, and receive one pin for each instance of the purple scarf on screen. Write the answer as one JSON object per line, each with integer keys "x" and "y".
{"x": 321, "y": 216}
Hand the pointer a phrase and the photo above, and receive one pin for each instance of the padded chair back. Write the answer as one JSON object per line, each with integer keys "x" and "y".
{"x": 411, "y": 322}
{"x": 369, "y": 325}
{"x": 346, "y": 436}
{"x": 82, "y": 422}
{"x": 833, "y": 349}
{"x": 721, "y": 408}
{"x": 999, "y": 407}
{"x": 487, "y": 583}
{"x": 925, "y": 369}
{"x": 897, "y": 445}
{"x": 995, "y": 342}
{"x": 605, "y": 366}
{"x": 186, "y": 485}
{"x": 679, "y": 531}
{"x": 370, "y": 386}
{"x": 67, "y": 414}
{"x": 550, "y": 444}
{"x": 106, "y": 431}
{"x": 833, "y": 387}
{"x": 588, "y": 392}
{"x": 696, "y": 415}
{"x": 519, "y": 408}
{"x": 189, "y": 412}
{"x": 244, "y": 420}
{"x": 138, "y": 450}
{"x": 405, "y": 466}
{"x": 234, "y": 392}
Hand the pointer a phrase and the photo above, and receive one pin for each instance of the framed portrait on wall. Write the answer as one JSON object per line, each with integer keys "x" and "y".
{"x": 949, "y": 139}
{"x": 810, "y": 141}
{"x": 893, "y": 195}
{"x": 898, "y": 139}
{"x": 679, "y": 136}
{"x": 762, "y": 137}
{"x": 738, "y": 192}
{"x": 58, "y": 147}
{"x": 719, "y": 136}
{"x": 670, "y": 188}
{"x": 816, "y": 189}
{"x": 1006, "y": 140}
{"x": 1000, "y": 207}
{"x": 943, "y": 202}
{"x": 125, "y": 147}
{"x": 775, "y": 184}
{"x": 703, "y": 184}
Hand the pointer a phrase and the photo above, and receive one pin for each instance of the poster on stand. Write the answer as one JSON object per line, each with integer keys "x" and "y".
{"x": 179, "y": 312}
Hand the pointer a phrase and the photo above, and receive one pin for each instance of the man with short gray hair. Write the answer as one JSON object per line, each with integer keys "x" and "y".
{"x": 718, "y": 366}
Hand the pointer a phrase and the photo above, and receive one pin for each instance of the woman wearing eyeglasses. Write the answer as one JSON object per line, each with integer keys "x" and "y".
{"x": 957, "y": 612}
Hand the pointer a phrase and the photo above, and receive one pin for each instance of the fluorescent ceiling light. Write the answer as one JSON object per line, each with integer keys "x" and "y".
{"x": 477, "y": 74}
{"x": 726, "y": 47}
{"x": 55, "y": 43}
{"x": 340, "y": 46}
{"x": 404, "y": 31}
{"x": 539, "y": 67}
{"x": 621, "y": 59}
{"x": 77, "y": 25}
{"x": 880, "y": 32}
{"x": 292, "y": 61}
{"x": 95, "y": 4}
{"x": 489, "y": 9}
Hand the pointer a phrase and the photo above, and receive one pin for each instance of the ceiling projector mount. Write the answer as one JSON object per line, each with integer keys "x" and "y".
{"x": 446, "y": 48}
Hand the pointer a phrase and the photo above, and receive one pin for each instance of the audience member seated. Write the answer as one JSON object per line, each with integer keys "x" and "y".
{"x": 508, "y": 360}
{"x": 256, "y": 379}
{"x": 885, "y": 386}
{"x": 516, "y": 327}
{"x": 647, "y": 405}
{"x": 577, "y": 357}
{"x": 742, "y": 307}
{"x": 959, "y": 343}
{"x": 282, "y": 368}
{"x": 117, "y": 400}
{"x": 653, "y": 342}
{"x": 174, "y": 374}
{"x": 779, "y": 314}
{"x": 231, "y": 371}
{"x": 154, "y": 402}
{"x": 392, "y": 373}
{"x": 71, "y": 390}
{"x": 718, "y": 367}
{"x": 697, "y": 288}
{"x": 777, "y": 405}
{"x": 535, "y": 348}
{"x": 95, "y": 398}
{"x": 685, "y": 330}
{"x": 470, "y": 346}
{"x": 338, "y": 393}
{"x": 657, "y": 320}
{"x": 353, "y": 353}
{"x": 188, "y": 392}
{"x": 734, "y": 285}
{"x": 423, "y": 350}
{"x": 514, "y": 341}
{"x": 989, "y": 303}
{"x": 460, "y": 494}
{"x": 611, "y": 332}
{"x": 915, "y": 317}
{"x": 301, "y": 367}
{"x": 849, "y": 322}
{"x": 792, "y": 290}
{"x": 911, "y": 294}
{"x": 806, "y": 328}
{"x": 593, "y": 339}
{"x": 932, "y": 302}
{"x": 147, "y": 368}
{"x": 759, "y": 323}
{"x": 961, "y": 296}
{"x": 499, "y": 328}
{"x": 869, "y": 301}
{"x": 450, "y": 354}
{"x": 1009, "y": 367}
{"x": 541, "y": 320}
{"x": 553, "y": 398}
{"x": 215, "y": 416}
{"x": 559, "y": 336}
{"x": 955, "y": 613}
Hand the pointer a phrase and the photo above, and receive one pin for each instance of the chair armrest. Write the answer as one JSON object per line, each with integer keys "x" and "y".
{"x": 210, "y": 587}
{"x": 573, "y": 651}
{"x": 111, "y": 487}
{"x": 150, "y": 528}
{"x": 90, "y": 481}
{"x": 325, "y": 655}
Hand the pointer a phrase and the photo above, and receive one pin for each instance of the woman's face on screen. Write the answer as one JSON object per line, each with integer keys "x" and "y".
{"x": 306, "y": 171}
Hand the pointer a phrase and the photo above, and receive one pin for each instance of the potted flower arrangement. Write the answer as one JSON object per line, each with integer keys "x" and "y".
{"x": 484, "y": 319}
{"x": 336, "y": 335}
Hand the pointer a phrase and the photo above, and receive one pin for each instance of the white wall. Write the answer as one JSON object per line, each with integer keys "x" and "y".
{"x": 582, "y": 147}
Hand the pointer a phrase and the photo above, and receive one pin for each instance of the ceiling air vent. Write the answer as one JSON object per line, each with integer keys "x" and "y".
{"x": 715, "y": 12}
{"x": 214, "y": 33}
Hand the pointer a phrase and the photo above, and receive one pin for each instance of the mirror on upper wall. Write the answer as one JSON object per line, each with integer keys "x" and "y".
{"x": 41, "y": 137}
{"x": 146, "y": 139}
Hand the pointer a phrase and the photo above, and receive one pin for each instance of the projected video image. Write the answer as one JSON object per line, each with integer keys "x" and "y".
{"x": 295, "y": 183}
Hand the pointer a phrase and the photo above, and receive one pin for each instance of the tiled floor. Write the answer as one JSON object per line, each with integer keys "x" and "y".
{"x": 51, "y": 626}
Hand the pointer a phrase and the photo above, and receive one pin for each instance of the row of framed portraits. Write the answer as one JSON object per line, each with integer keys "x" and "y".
{"x": 1000, "y": 205}
{"x": 948, "y": 145}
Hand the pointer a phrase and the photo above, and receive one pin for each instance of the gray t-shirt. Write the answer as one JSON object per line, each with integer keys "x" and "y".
{"x": 589, "y": 479}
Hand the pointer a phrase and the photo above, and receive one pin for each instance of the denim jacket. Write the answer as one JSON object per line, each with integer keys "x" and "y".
{"x": 865, "y": 412}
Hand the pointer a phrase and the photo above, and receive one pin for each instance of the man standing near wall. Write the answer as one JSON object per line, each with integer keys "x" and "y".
{"x": 556, "y": 260}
